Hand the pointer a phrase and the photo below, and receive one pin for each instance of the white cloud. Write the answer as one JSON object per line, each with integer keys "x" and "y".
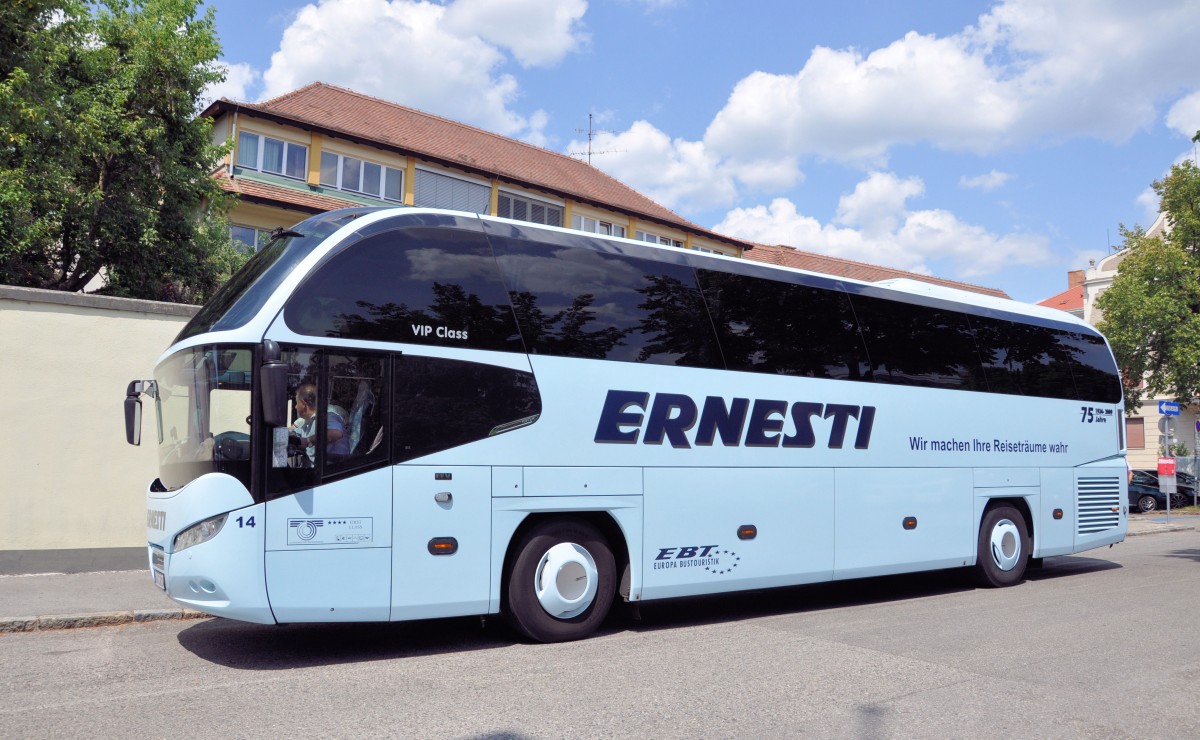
{"x": 767, "y": 174}
{"x": 439, "y": 58}
{"x": 537, "y": 128}
{"x": 1148, "y": 201}
{"x": 536, "y": 32}
{"x": 1184, "y": 116}
{"x": 682, "y": 174}
{"x": 874, "y": 225}
{"x": 986, "y": 182}
{"x": 877, "y": 205}
{"x": 239, "y": 80}
{"x": 849, "y": 107}
{"x": 1029, "y": 70}
{"x": 674, "y": 172}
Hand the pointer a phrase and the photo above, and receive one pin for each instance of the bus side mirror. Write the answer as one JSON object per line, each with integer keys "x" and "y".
{"x": 133, "y": 409}
{"x": 274, "y": 377}
{"x": 133, "y": 421}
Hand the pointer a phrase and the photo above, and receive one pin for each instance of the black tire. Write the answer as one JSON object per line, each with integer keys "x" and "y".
{"x": 1178, "y": 501}
{"x": 523, "y": 607}
{"x": 1004, "y": 547}
{"x": 1146, "y": 504}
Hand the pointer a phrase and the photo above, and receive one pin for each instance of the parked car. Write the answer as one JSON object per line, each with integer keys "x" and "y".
{"x": 1144, "y": 494}
{"x": 1185, "y": 483}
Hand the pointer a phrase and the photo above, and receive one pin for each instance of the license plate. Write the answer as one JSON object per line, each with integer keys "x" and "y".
{"x": 160, "y": 579}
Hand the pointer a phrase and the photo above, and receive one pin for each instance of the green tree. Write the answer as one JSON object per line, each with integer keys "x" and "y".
{"x": 1152, "y": 310}
{"x": 105, "y": 167}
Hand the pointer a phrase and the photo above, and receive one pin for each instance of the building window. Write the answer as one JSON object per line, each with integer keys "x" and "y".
{"x": 360, "y": 176}
{"x": 596, "y": 226}
{"x": 249, "y": 239}
{"x": 262, "y": 153}
{"x": 524, "y": 209}
{"x": 1135, "y": 434}
{"x": 435, "y": 190}
{"x": 644, "y": 236}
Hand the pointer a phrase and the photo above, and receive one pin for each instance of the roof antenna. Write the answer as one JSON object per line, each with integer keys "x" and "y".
{"x": 591, "y": 134}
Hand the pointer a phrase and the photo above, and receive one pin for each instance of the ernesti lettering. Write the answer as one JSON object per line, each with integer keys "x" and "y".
{"x": 677, "y": 419}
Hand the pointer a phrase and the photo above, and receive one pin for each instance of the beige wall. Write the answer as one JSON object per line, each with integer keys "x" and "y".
{"x": 1185, "y": 433}
{"x": 68, "y": 480}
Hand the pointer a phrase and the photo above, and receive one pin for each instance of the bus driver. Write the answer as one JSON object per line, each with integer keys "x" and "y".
{"x": 304, "y": 429}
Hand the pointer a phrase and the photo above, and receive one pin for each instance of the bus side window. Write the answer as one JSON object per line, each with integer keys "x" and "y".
{"x": 439, "y": 404}
{"x": 356, "y": 405}
{"x": 338, "y": 407}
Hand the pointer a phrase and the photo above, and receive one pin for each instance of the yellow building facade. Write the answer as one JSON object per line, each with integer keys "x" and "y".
{"x": 322, "y": 147}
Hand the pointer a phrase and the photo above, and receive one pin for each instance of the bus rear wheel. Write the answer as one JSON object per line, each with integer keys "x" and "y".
{"x": 1004, "y": 547}
{"x": 562, "y": 583}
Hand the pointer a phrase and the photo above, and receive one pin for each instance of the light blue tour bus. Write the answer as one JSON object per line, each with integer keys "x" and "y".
{"x": 400, "y": 413}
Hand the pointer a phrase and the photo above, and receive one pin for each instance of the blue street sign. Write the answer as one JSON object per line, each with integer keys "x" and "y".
{"x": 1168, "y": 408}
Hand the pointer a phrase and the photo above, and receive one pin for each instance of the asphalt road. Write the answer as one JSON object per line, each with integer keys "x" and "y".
{"x": 1097, "y": 645}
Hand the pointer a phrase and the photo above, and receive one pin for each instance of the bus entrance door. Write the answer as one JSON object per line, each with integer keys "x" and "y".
{"x": 441, "y": 555}
{"x": 328, "y": 551}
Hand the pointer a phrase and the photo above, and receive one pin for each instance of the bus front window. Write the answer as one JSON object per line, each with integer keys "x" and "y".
{"x": 204, "y": 414}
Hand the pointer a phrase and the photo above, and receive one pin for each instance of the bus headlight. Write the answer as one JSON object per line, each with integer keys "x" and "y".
{"x": 199, "y": 532}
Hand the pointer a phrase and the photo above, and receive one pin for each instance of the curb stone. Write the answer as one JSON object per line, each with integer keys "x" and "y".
{"x": 1161, "y": 527}
{"x": 100, "y": 619}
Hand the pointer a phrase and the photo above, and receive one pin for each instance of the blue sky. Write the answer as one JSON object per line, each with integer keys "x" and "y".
{"x": 999, "y": 143}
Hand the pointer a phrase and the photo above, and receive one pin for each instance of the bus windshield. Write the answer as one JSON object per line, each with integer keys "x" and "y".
{"x": 203, "y": 405}
{"x": 240, "y": 299}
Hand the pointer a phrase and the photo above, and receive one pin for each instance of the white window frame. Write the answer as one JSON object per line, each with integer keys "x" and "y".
{"x": 261, "y": 236}
{"x": 340, "y": 171}
{"x": 261, "y": 150}
{"x": 646, "y": 236}
{"x": 596, "y": 226}
{"x": 531, "y": 201}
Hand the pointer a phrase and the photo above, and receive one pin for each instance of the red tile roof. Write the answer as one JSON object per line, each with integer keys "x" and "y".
{"x": 336, "y": 111}
{"x": 778, "y": 254}
{"x": 1070, "y": 299}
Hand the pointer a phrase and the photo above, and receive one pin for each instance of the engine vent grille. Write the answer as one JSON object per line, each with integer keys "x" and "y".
{"x": 1098, "y": 502}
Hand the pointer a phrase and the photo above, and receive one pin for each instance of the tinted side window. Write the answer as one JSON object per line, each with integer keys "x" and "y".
{"x": 919, "y": 345}
{"x": 1044, "y": 370}
{"x": 358, "y": 405}
{"x": 438, "y": 404}
{"x": 1046, "y": 362}
{"x": 415, "y": 285}
{"x": 1003, "y": 351}
{"x": 1093, "y": 367}
{"x": 766, "y": 326}
{"x": 575, "y": 301}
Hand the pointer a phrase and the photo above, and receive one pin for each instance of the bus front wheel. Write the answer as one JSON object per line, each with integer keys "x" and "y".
{"x": 1003, "y": 547}
{"x": 562, "y": 582}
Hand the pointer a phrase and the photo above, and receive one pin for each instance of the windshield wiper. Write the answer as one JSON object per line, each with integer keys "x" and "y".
{"x": 279, "y": 232}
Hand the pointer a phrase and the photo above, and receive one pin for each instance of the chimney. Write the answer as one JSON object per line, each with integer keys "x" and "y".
{"x": 1075, "y": 277}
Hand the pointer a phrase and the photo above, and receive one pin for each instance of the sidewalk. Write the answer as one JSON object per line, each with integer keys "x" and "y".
{"x": 66, "y": 600}
{"x": 1155, "y": 523}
